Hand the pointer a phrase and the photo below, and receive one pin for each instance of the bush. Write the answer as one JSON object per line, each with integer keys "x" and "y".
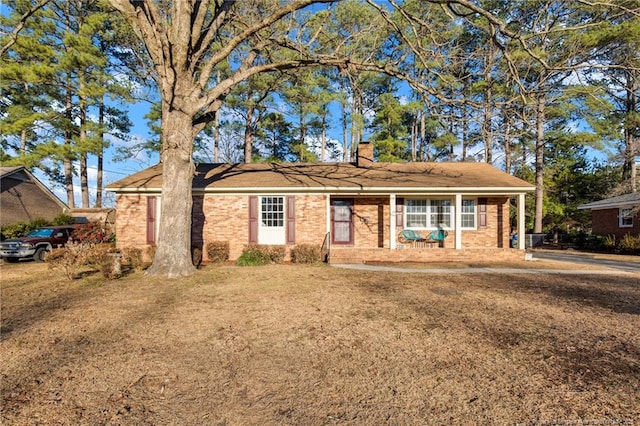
{"x": 70, "y": 259}
{"x": 132, "y": 256}
{"x": 630, "y": 244}
{"x": 591, "y": 242}
{"x": 15, "y": 230}
{"x": 254, "y": 255}
{"x": 107, "y": 259}
{"x": 92, "y": 232}
{"x": 150, "y": 254}
{"x": 306, "y": 253}
{"x": 20, "y": 229}
{"x": 218, "y": 251}
{"x": 63, "y": 219}
{"x": 275, "y": 253}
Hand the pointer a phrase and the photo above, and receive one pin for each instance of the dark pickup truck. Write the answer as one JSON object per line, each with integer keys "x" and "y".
{"x": 36, "y": 243}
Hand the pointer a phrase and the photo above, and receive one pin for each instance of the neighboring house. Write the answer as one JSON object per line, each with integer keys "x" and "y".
{"x": 617, "y": 216}
{"x": 359, "y": 210}
{"x": 24, "y": 198}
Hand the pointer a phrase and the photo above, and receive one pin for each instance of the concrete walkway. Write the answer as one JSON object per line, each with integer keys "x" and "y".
{"x": 380, "y": 268}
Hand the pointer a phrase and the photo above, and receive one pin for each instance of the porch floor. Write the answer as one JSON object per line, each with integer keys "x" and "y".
{"x": 349, "y": 255}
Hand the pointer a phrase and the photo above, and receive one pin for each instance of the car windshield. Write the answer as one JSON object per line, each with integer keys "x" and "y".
{"x": 42, "y": 232}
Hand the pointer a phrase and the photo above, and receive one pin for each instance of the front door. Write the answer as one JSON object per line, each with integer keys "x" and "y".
{"x": 271, "y": 226}
{"x": 342, "y": 221}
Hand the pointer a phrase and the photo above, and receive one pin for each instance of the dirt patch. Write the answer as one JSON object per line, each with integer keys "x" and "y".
{"x": 318, "y": 345}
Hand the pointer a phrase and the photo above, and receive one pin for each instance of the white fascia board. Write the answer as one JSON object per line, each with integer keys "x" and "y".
{"x": 342, "y": 190}
{"x": 372, "y": 191}
{"x": 610, "y": 205}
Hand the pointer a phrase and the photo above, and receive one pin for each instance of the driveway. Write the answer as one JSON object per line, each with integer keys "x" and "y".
{"x": 623, "y": 263}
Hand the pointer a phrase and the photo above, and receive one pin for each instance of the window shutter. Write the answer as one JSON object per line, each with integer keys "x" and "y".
{"x": 253, "y": 219}
{"x": 399, "y": 213}
{"x": 291, "y": 219}
{"x": 482, "y": 212}
{"x": 151, "y": 220}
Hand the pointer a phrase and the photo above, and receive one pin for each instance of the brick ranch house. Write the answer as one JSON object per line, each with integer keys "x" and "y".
{"x": 356, "y": 211}
{"x": 616, "y": 216}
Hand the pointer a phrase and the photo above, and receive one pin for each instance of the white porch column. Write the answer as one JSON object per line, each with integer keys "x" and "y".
{"x": 521, "y": 216}
{"x": 328, "y": 212}
{"x": 458, "y": 222}
{"x": 392, "y": 221}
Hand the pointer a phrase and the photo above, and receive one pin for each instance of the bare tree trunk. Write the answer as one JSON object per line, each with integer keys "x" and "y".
{"x": 173, "y": 255}
{"x": 507, "y": 142}
{"x": 424, "y": 152}
{"x": 248, "y": 136}
{"x": 465, "y": 132}
{"x": 345, "y": 142}
{"x": 216, "y": 130}
{"x": 68, "y": 138}
{"x": 84, "y": 179}
{"x": 323, "y": 139}
{"x": 631, "y": 143}
{"x": 99, "y": 175}
{"x": 540, "y": 117}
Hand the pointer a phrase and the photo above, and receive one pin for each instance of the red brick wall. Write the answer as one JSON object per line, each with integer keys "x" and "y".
{"x": 606, "y": 222}
{"x": 131, "y": 221}
{"x": 225, "y": 218}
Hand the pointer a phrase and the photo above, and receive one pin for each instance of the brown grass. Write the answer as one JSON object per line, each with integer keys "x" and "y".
{"x": 318, "y": 345}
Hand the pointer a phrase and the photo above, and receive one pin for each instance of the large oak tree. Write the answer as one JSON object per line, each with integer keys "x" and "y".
{"x": 188, "y": 41}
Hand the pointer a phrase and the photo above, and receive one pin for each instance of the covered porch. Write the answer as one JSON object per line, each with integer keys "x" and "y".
{"x": 368, "y": 227}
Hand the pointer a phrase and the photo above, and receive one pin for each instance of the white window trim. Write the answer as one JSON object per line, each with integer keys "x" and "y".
{"x": 474, "y": 213}
{"x": 622, "y": 216}
{"x": 431, "y": 226}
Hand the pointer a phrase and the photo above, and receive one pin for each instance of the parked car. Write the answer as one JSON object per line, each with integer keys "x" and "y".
{"x": 36, "y": 243}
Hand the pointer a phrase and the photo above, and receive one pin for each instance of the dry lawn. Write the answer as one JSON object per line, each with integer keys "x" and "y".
{"x": 318, "y": 345}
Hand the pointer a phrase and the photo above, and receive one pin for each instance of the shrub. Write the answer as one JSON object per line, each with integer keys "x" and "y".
{"x": 15, "y": 230}
{"x": 254, "y": 255}
{"x": 218, "y": 251}
{"x": 630, "y": 244}
{"x": 275, "y": 253}
{"x": 111, "y": 266}
{"x": 92, "y": 232}
{"x": 107, "y": 259}
{"x": 132, "y": 256}
{"x": 20, "y": 229}
{"x": 70, "y": 259}
{"x": 306, "y": 253}
{"x": 63, "y": 219}
{"x": 150, "y": 254}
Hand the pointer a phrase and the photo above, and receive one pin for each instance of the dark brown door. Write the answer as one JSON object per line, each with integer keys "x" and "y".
{"x": 342, "y": 221}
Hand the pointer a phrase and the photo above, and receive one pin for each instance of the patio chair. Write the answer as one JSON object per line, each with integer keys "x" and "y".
{"x": 410, "y": 236}
{"x": 438, "y": 235}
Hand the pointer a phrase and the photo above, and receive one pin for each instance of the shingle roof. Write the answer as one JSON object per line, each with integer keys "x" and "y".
{"x": 614, "y": 202}
{"x": 339, "y": 177}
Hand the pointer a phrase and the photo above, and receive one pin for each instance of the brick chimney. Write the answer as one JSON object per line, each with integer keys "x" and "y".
{"x": 364, "y": 154}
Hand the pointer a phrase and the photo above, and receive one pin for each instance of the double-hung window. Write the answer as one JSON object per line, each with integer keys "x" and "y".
{"x": 428, "y": 214}
{"x": 468, "y": 214}
{"x": 625, "y": 218}
{"x": 438, "y": 213}
{"x": 417, "y": 214}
